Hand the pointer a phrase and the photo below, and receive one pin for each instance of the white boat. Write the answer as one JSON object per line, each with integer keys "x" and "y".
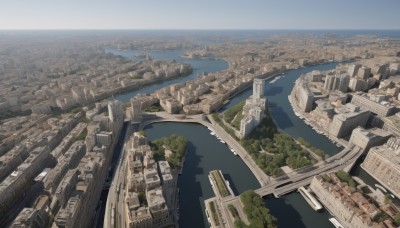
{"x": 222, "y": 141}
{"x": 381, "y": 188}
{"x": 235, "y": 153}
{"x": 311, "y": 200}
{"x": 212, "y": 133}
{"x": 336, "y": 223}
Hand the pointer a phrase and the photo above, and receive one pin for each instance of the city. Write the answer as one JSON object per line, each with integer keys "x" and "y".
{"x": 208, "y": 127}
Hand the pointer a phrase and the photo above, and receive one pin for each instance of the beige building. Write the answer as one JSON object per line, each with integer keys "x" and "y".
{"x": 253, "y": 110}
{"x": 349, "y": 118}
{"x": 303, "y": 95}
{"x": 383, "y": 163}
{"x": 381, "y": 108}
{"x": 350, "y": 207}
{"x": 366, "y": 139}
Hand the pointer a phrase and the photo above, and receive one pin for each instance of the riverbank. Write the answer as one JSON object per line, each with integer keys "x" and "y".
{"x": 313, "y": 124}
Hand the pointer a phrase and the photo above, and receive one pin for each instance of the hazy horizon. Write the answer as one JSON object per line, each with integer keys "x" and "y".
{"x": 199, "y": 15}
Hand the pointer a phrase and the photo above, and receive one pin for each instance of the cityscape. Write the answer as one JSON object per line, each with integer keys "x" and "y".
{"x": 244, "y": 117}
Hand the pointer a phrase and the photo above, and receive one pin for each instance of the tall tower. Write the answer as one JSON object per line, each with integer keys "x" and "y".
{"x": 115, "y": 111}
{"x": 136, "y": 106}
{"x": 258, "y": 88}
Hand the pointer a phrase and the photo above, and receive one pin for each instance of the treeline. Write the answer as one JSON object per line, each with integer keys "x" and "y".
{"x": 176, "y": 143}
{"x": 317, "y": 151}
{"x": 256, "y": 212}
{"x": 230, "y": 114}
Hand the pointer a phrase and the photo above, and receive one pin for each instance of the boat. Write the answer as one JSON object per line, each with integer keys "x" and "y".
{"x": 381, "y": 188}
{"x": 222, "y": 141}
{"x": 212, "y": 133}
{"x": 311, "y": 200}
{"x": 233, "y": 151}
{"x": 336, "y": 223}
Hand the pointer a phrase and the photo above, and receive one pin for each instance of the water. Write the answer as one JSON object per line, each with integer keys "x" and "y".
{"x": 199, "y": 66}
{"x": 283, "y": 114}
{"x": 205, "y": 153}
{"x": 293, "y": 211}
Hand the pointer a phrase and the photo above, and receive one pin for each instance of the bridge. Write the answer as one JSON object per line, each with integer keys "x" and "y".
{"x": 262, "y": 178}
{"x": 279, "y": 185}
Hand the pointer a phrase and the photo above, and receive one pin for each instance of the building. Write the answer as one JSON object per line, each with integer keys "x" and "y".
{"x": 303, "y": 95}
{"x": 392, "y": 124}
{"x": 337, "y": 82}
{"x": 350, "y": 207}
{"x": 350, "y": 117}
{"x": 366, "y": 139}
{"x": 383, "y": 164}
{"x": 364, "y": 72}
{"x": 136, "y": 107}
{"x": 258, "y": 88}
{"x": 253, "y": 110}
{"x": 115, "y": 111}
{"x": 30, "y": 217}
{"x": 353, "y": 69}
{"x": 157, "y": 184}
{"x": 382, "y": 108}
{"x": 356, "y": 84}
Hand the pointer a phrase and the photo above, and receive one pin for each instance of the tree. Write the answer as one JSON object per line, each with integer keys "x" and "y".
{"x": 397, "y": 219}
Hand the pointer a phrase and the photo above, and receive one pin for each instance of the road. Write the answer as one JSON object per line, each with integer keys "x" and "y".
{"x": 117, "y": 191}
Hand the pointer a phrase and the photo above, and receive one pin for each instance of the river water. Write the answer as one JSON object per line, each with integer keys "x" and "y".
{"x": 200, "y": 66}
{"x": 206, "y": 153}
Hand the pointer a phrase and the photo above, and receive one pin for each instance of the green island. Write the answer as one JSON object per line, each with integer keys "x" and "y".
{"x": 175, "y": 143}
{"x": 268, "y": 147}
{"x": 256, "y": 212}
{"x": 221, "y": 185}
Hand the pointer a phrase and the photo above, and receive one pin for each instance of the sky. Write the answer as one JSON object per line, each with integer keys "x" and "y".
{"x": 199, "y": 14}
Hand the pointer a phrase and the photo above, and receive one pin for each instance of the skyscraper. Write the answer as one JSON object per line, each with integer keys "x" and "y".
{"x": 115, "y": 111}
{"x": 258, "y": 88}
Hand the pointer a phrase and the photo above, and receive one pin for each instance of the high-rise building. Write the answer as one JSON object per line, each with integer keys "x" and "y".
{"x": 254, "y": 108}
{"x": 258, "y": 88}
{"x": 136, "y": 107}
{"x": 337, "y": 82}
{"x": 115, "y": 111}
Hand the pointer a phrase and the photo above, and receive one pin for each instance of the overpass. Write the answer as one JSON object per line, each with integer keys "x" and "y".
{"x": 287, "y": 185}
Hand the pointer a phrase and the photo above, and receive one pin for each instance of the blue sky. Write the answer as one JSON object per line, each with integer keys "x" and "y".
{"x": 199, "y": 14}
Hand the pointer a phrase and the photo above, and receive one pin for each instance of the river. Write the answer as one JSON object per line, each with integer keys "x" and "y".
{"x": 199, "y": 66}
{"x": 207, "y": 153}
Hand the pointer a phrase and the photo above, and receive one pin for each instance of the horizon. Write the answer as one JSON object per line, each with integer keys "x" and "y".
{"x": 204, "y": 15}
